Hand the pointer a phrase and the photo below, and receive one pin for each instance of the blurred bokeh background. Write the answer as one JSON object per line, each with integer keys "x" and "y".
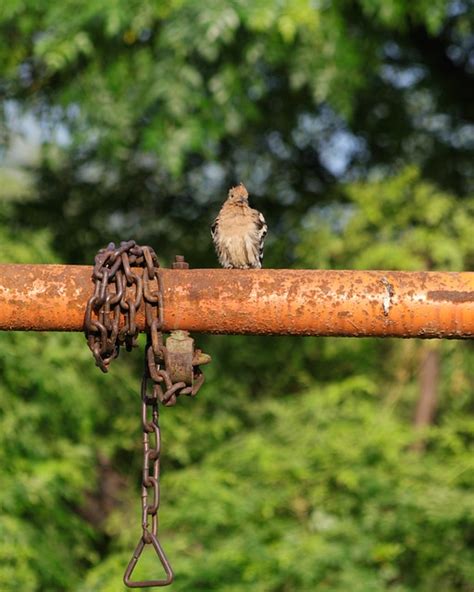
{"x": 304, "y": 464}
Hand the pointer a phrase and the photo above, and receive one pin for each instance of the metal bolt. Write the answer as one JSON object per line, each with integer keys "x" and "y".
{"x": 179, "y": 263}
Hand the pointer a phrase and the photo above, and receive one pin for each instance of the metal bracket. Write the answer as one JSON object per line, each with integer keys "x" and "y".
{"x": 182, "y": 359}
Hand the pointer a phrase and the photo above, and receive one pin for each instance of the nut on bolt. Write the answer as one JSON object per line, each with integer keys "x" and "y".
{"x": 179, "y": 263}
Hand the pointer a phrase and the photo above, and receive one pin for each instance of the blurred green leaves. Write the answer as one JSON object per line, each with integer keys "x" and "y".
{"x": 195, "y": 76}
{"x": 323, "y": 492}
{"x": 402, "y": 222}
{"x": 298, "y": 482}
{"x": 350, "y": 122}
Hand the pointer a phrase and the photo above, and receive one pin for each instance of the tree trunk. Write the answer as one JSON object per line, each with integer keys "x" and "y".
{"x": 428, "y": 400}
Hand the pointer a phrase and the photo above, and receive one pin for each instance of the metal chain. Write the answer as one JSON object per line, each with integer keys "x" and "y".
{"x": 110, "y": 322}
{"x": 104, "y": 333}
{"x": 150, "y": 487}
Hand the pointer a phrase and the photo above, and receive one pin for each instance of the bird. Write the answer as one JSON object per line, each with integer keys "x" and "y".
{"x": 239, "y": 232}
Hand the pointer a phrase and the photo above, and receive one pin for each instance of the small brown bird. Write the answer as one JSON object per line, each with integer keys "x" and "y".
{"x": 238, "y": 232}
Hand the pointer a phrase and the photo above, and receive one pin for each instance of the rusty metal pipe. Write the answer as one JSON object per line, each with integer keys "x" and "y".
{"x": 269, "y": 301}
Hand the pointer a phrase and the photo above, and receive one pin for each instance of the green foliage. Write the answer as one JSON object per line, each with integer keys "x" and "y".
{"x": 350, "y": 122}
{"x": 298, "y": 481}
{"x": 162, "y": 105}
{"x": 108, "y": 71}
{"x": 402, "y": 222}
{"x": 322, "y": 494}
{"x": 51, "y": 431}
{"x": 190, "y": 112}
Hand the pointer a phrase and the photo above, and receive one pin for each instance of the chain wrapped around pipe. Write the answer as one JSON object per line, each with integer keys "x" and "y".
{"x": 170, "y": 369}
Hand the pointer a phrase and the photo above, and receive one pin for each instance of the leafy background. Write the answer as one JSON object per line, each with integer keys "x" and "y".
{"x": 304, "y": 464}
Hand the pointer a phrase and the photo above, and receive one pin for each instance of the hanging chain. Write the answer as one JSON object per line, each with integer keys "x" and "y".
{"x": 150, "y": 489}
{"x": 171, "y": 370}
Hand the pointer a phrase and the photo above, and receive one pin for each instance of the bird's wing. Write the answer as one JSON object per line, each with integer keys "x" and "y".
{"x": 262, "y": 233}
{"x": 262, "y": 225}
{"x": 214, "y": 226}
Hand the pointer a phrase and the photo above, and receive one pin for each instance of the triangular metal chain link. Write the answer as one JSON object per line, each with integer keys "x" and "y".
{"x": 134, "y": 560}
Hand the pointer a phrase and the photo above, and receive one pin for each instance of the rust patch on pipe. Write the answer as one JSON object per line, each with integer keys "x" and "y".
{"x": 451, "y": 296}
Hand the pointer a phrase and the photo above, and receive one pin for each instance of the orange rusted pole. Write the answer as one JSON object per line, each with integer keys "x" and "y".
{"x": 269, "y": 301}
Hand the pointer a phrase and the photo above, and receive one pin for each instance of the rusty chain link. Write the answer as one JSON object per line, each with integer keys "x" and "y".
{"x": 150, "y": 484}
{"x": 171, "y": 368}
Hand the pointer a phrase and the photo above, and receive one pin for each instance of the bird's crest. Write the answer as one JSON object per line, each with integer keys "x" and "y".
{"x": 238, "y": 193}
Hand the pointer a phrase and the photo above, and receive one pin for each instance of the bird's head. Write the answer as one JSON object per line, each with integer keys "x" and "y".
{"x": 238, "y": 195}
